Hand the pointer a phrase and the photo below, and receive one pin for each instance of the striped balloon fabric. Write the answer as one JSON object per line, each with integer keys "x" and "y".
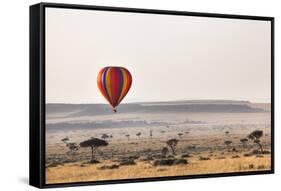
{"x": 114, "y": 83}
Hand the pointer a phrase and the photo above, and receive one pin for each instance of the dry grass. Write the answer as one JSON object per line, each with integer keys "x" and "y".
{"x": 73, "y": 172}
{"x": 203, "y": 140}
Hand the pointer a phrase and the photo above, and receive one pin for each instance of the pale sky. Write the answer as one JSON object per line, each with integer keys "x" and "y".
{"x": 169, "y": 57}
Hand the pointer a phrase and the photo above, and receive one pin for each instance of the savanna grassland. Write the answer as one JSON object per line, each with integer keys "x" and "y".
{"x": 156, "y": 142}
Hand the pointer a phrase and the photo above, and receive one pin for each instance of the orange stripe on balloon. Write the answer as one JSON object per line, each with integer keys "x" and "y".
{"x": 100, "y": 84}
{"x": 128, "y": 83}
{"x": 123, "y": 85}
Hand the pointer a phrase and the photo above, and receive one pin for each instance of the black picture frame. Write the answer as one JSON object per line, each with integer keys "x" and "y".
{"x": 37, "y": 92}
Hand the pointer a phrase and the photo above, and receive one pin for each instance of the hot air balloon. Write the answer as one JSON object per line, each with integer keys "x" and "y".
{"x": 114, "y": 83}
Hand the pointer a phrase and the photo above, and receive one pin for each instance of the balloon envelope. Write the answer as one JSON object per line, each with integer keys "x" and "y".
{"x": 114, "y": 83}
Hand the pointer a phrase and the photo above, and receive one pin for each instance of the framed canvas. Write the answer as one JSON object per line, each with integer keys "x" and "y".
{"x": 123, "y": 95}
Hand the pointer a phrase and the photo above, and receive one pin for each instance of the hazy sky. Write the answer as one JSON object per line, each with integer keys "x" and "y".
{"x": 169, "y": 57}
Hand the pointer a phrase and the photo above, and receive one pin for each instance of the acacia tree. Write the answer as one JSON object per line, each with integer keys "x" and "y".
{"x": 64, "y": 140}
{"x": 104, "y": 136}
{"x": 228, "y": 143}
{"x": 128, "y": 136}
{"x": 172, "y": 143}
{"x": 72, "y": 147}
{"x": 180, "y": 135}
{"x": 165, "y": 151}
{"x": 94, "y": 144}
{"x": 138, "y": 134}
{"x": 244, "y": 142}
{"x": 255, "y": 137}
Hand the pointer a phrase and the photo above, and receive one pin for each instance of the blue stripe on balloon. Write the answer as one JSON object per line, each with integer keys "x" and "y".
{"x": 121, "y": 82}
{"x": 103, "y": 81}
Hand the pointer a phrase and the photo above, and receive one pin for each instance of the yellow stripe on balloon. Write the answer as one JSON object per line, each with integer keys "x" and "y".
{"x": 107, "y": 84}
{"x": 124, "y": 84}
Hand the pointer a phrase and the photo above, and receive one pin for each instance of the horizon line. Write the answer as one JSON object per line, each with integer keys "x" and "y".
{"x": 221, "y": 100}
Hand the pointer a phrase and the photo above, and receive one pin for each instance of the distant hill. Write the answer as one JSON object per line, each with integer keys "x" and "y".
{"x": 196, "y": 102}
{"x": 228, "y": 106}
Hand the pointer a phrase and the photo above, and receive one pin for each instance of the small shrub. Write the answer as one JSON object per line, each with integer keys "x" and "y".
{"x": 93, "y": 161}
{"x": 248, "y": 155}
{"x": 255, "y": 152}
{"x": 147, "y": 158}
{"x": 169, "y": 162}
{"x": 251, "y": 166}
{"x": 105, "y": 167}
{"x": 127, "y": 162}
{"x": 204, "y": 158}
{"x": 220, "y": 158}
{"x": 55, "y": 164}
{"x": 261, "y": 167}
{"x": 180, "y": 161}
{"x": 265, "y": 152}
{"x": 185, "y": 155}
{"x": 161, "y": 169}
{"x": 191, "y": 147}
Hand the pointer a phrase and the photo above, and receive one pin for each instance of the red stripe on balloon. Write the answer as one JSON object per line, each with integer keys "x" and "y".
{"x": 115, "y": 85}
